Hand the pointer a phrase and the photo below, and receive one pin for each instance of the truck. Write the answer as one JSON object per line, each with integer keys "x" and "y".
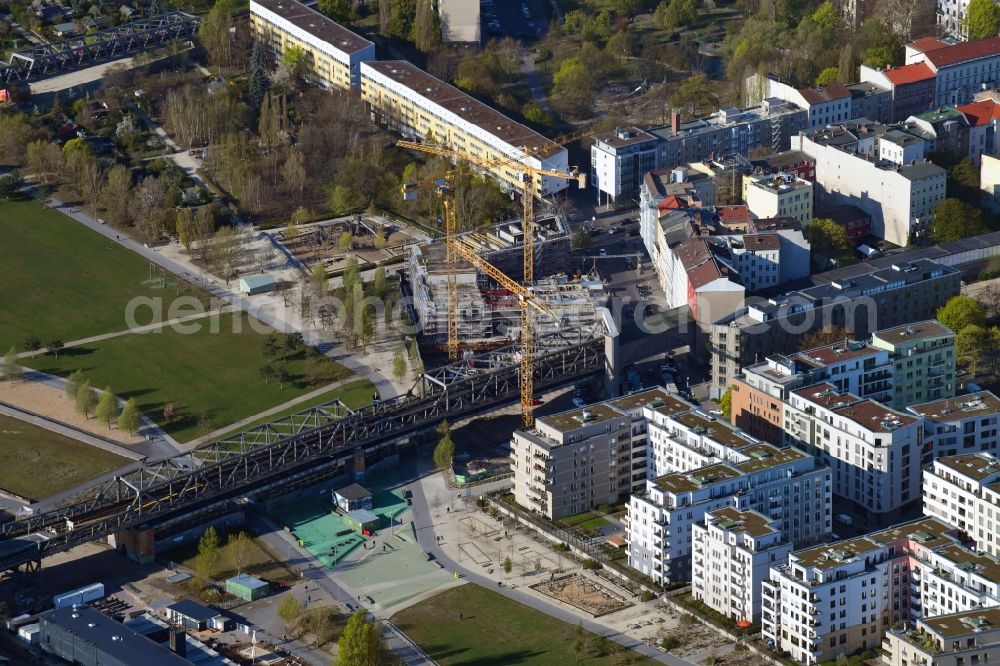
{"x": 844, "y": 519}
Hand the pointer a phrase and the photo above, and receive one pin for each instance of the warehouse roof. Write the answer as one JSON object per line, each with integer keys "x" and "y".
{"x": 113, "y": 638}
{"x": 193, "y": 610}
{"x": 314, "y": 23}
{"x": 468, "y": 108}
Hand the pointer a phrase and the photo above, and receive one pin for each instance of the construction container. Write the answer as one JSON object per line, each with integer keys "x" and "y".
{"x": 247, "y": 587}
{"x": 82, "y": 595}
{"x": 29, "y": 633}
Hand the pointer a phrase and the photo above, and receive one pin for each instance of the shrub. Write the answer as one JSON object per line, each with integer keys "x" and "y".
{"x": 647, "y": 596}
{"x": 670, "y": 643}
{"x": 591, "y": 565}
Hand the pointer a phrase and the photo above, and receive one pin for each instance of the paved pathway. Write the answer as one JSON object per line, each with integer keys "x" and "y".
{"x": 67, "y": 430}
{"x": 424, "y": 523}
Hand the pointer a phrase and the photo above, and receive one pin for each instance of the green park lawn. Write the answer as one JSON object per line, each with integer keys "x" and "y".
{"x": 205, "y": 374}
{"x": 495, "y": 630}
{"x": 62, "y": 281}
{"x": 587, "y": 520}
{"x": 258, "y": 561}
{"x": 36, "y": 463}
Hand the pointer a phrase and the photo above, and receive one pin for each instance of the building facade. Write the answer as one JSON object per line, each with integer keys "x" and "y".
{"x": 618, "y": 162}
{"x": 956, "y": 639}
{"x": 964, "y": 491}
{"x": 333, "y": 53}
{"x": 780, "y": 195}
{"x": 923, "y": 354}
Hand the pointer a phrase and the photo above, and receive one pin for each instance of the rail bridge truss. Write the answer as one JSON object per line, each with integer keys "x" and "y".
{"x": 236, "y": 466}
{"x": 56, "y": 58}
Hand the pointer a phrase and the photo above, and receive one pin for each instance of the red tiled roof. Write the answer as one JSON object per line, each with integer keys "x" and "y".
{"x": 950, "y": 55}
{"x": 981, "y": 113}
{"x": 908, "y": 73}
{"x": 672, "y": 202}
{"x": 733, "y": 214}
{"x": 826, "y": 93}
{"x": 928, "y": 44}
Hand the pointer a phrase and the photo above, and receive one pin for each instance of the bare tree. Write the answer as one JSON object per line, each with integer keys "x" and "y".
{"x": 116, "y": 196}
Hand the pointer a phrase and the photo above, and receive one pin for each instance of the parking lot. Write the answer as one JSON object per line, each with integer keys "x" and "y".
{"x": 526, "y": 20}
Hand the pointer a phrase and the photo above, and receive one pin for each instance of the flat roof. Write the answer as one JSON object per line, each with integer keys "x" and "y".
{"x": 976, "y": 466}
{"x": 920, "y": 330}
{"x": 574, "y": 418}
{"x": 353, "y": 491}
{"x": 844, "y": 350}
{"x": 685, "y": 482}
{"x": 624, "y": 136}
{"x": 719, "y": 431}
{"x": 468, "y": 108}
{"x": 826, "y": 395}
{"x": 111, "y": 637}
{"x": 316, "y": 24}
{"x": 929, "y": 532}
{"x": 966, "y": 622}
{"x": 962, "y": 407}
{"x": 875, "y": 416}
{"x": 656, "y": 398}
{"x": 834, "y": 554}
{"x": 248, "y": 581}
{"x": 766, "y": 456}
{"x": 963, "y": 558}
{"x": 193, "y": 610}
{"x": 751, "y": 522}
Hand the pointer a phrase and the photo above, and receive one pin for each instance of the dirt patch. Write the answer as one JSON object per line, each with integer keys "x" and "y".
{"x": 52, "y": 403}
{"x": 583, "y": 593}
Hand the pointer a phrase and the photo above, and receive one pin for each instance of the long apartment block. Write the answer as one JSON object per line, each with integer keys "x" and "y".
{"x": 964, "y": 490}
{"x": 333, "y": 53}
{"x": 417, "y": 105}
{"x": 842, "y": 597}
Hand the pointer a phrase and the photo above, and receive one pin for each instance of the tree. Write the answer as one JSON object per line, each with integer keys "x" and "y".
{"x": 32, "y": 343}
{"x": 207, "y": 562}
{"x": 130, "y": 417}
{"x": 536, "y": 115}
{"x": 281, "y": 376}
{"x": 11, "y": 184}
{"x": 270, "y": 346}
{"x": 338, "y": 10}
{"x": 828, "y": 241}
{"x": 11, "y": 368}
{"x": 185, "y": 227}
{"x": 426, "y": 27}
{"x": 961, "y": 311}
{"x": 352, "y": 274}
{"x": 239, "y": 550}
{"x": 319, "y": 278}
{"x": 346, "y": 241}
{"x": 507, "y": 565}
{"x": 982, "y": 19}
{"x": 379, "y": 286}
{"x": 293, "y": 172}
{"x": 827, "y": 76}
{"x": 170, "y": 412}
{"x": 294, "y": 342}
{"x": 257, "y": 80}
{"x": 847, "y": 68}
{"x": 54, "y": 347}
{"x": 267, "y": 373}
{"x": 972, "y": 344}
{"x": 726, "y": 404}
{"x": 107, "y": 407}
{"x": 361, "y": 643}
{"x": 399, "y": 365}
{"x": 44, "y": 161}
{"x": 289, "y": 608}
{"x": 72, "y": 384}
{"x": 695, "y": 94}
{"x": 345, "y": 200}
{"x": 216, "y": 32}
{"x": 954, "y": 220}
{"x": 879, "y": 57}
{"x": 444, "y": 452}
{"x": 116, "y": 199}
{"x": 85, "y": 399}
{"x": 401, "y": 15}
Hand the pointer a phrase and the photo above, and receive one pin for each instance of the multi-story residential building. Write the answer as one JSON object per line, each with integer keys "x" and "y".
{"x": 620, "y": 159}
{"x": 825, "y": 105}
{"x": 333, "y": 54}
{"x": 669, "y": 189}
{"x": 860, "y": 299}
{"x": 795, "y": 247}
{"x": 783, "y": 484}
{"x": 956, "y": 639}
{"x": 780, "y": 195}
{"x": 923, "y": 354}
{"x": 899, "y": 198}
{"x": 983, "y": 115}
{"x": 947, "y": 130}
{"x": 869, "y": 100}
{"x": 851, "y": 366}
{"x": 964, "y": 490}
{"x": 964, "y": 424}
{"x": 856, "y": 223}
{"x": 911, "y": 88}
{"x": 576, "y": 460}
{"x": 732, "y": 555}
{"x": 787, "y": 161}
{"x": 414, "y": 103}
{"x": 960, "y": 69}
{"x": 840, "y": 598}
{"x": 874, "y": 451}
{"x": 618, "y": 162}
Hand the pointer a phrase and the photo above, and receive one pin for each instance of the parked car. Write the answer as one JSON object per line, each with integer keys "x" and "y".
{"x": 844, "y": 519}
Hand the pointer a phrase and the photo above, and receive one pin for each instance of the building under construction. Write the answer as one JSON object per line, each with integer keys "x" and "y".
{"x": 488, "y": 315}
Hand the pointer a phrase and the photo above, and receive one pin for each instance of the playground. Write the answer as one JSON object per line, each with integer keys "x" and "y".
{"x": 328, "y": 536}
{"x": 581, "y": 592}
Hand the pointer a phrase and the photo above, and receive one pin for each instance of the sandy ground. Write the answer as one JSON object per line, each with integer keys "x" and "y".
{"x": 52, "y": 403}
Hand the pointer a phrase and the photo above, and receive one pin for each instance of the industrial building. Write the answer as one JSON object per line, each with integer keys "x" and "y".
{"x": 417, "y": 105}
{"x": 333, "y": 53}
{"x": 86, "y": 636}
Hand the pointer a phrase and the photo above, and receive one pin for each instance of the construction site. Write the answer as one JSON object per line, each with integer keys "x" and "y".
{"x": 490, "y": 316}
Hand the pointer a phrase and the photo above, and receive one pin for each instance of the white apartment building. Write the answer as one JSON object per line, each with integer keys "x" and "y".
{"x": 698, "y": 464}
{"x": 964, "y": 491}
{"x": 960, "y": 425}
{"x": 756, "y": 258}
{"x": 874, "y": 451}
{"x": 900, "y": 199}
{"x": 825, "y": 105}
{"x": 957, "y": 639}
{"x": 333, "y": 53}
{"x": 418, "y": 105}
{"x": 961, "y": 69}
{"x": 780, "y": 195}
{"x": 619, "y": 160}
{"x": 733, "y": 552}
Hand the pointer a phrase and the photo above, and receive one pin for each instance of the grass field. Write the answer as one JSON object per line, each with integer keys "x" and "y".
{"x": 353, "y": 394}
{"x": 587, "y": 520}
{"x": 495, "y": 630}
{"x": 260, "y": 561}
{"x": 36, "y": 463}
{"x": 63, "y": 281}
{"x": 216, "y": 375}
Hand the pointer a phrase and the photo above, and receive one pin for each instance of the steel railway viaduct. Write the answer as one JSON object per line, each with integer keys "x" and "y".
{"x": 279, "y": 456}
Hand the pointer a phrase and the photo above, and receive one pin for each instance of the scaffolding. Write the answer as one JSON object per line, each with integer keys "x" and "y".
{"x": 56, "y": 58}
